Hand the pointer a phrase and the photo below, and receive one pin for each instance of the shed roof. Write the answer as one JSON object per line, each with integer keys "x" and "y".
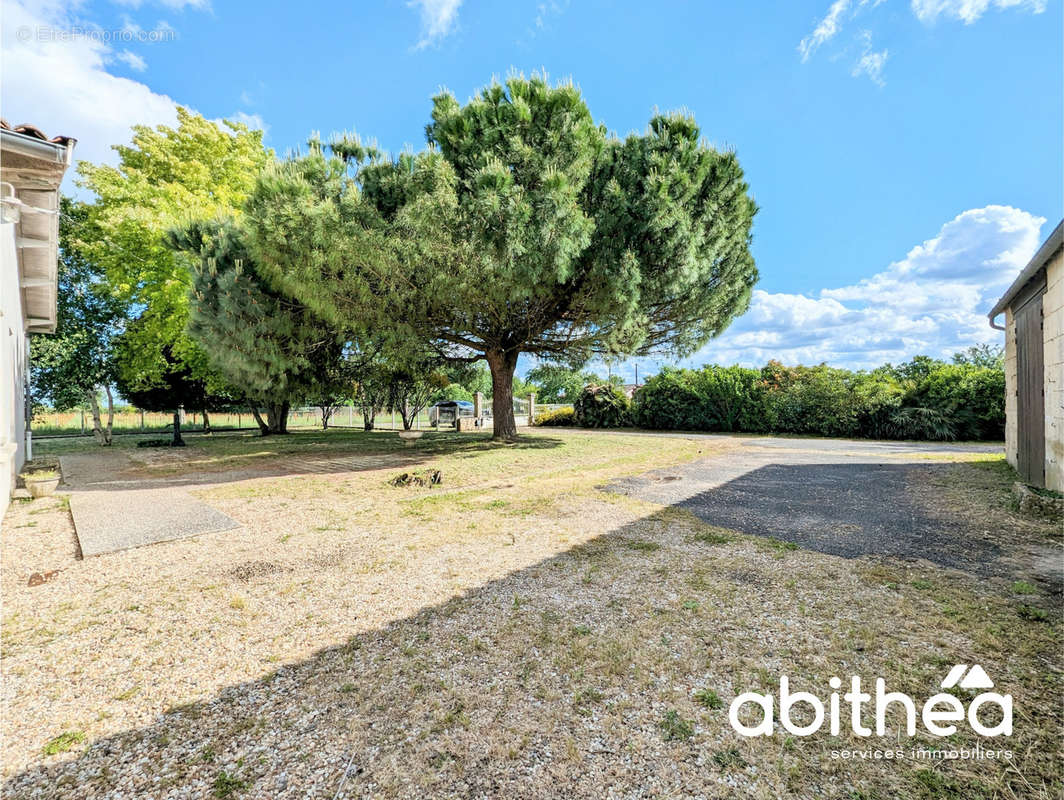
{"x": 1045, "y": 252}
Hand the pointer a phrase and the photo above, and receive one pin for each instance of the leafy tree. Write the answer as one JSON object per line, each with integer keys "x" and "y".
{"x": 557, "y": 383}
{"x": 272, "y": 347}
{"x": 167, "y": 176}
{"x": 526, "y": 229}
{"x": 990, "y": 356}
{"x": 76, "y": 364}
{"x": 176, "y": 388}
{"x": 413, "y": 380}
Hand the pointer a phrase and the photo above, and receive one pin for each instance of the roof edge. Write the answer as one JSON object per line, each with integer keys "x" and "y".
{"x": 1041, "y": 257}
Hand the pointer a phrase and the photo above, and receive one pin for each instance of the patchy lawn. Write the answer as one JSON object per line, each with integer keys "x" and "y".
{"x": 515, "y": 631}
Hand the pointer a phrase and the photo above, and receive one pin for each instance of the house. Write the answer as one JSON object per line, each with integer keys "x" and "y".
{"x": 1034, "y": 366}
{"x": 31, "y": 168}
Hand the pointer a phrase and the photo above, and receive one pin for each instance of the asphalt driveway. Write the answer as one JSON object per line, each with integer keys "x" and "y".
{"x": 845, "y": 498}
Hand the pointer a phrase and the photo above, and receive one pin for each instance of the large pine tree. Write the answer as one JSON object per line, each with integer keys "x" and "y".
{"x": 525, "y": 228}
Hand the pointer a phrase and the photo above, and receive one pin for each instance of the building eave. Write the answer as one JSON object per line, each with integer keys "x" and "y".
{"x": 1046, "y": 252}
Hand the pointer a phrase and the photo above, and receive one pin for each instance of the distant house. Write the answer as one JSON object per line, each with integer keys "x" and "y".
{"x": 31, "y": 169}
{"x": 630, "y": 388}
{"x": 1034, "y": 366}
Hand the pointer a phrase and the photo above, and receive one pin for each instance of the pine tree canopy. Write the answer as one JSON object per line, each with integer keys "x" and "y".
{"x": 523, "y": 228}
{"x": 272, "y": 347}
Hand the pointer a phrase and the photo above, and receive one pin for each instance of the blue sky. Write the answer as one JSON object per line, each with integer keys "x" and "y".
{"x": 906, "y": 154}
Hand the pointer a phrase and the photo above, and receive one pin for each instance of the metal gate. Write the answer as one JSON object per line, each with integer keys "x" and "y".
{"x": 1030, "y": 393}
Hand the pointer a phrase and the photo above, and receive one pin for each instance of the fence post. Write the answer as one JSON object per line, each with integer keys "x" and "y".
{"x": 531, "y": 407}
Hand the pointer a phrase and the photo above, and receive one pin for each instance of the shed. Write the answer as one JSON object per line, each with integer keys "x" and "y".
{"x": 1034, "y": 366}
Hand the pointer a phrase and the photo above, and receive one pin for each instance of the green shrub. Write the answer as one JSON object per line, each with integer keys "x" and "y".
{"x": 602, "y": 406}
{"x": 559, "y": 416}
{"x": 710, "y": 399}
{"x": 973, "y": 396}
{"x": 914, "y": 422}
{"x": 922, "y": 399}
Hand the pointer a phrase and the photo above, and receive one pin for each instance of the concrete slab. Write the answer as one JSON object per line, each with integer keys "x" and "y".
{"x": 107, "y": 521}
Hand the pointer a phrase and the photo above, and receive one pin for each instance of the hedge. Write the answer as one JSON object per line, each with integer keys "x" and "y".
{"x": 943, "y": 402}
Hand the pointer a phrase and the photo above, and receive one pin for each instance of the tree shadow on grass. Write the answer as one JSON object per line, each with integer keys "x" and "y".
{"x": 551, "y": 681}
{"x": 229, "y": 458}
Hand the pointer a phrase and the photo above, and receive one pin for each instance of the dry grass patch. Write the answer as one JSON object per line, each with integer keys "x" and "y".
{"x": 514, "y": 632}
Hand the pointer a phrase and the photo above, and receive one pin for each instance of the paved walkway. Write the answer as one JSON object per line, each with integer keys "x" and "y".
{"x": 109, "y": 515}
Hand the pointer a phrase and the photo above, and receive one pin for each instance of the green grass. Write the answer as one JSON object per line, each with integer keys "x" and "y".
{"x": 226, "y": 785}
{"x": 64, "y": 742}
{"x": 675, "y": 728}
{"x": 707, "y": 698}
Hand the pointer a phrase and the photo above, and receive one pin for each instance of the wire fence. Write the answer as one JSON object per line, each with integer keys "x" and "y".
{"x": 70, "y": 423}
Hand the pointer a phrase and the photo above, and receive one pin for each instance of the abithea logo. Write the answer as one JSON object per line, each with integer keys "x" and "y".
{"x": 938, "y": 713}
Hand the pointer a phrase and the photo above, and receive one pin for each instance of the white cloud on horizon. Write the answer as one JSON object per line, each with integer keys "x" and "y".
{"x": 932, "y": 302}
{"x": 438, "y": 18}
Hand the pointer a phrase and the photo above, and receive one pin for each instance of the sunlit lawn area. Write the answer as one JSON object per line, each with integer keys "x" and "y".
{"x": 515, "y": 631}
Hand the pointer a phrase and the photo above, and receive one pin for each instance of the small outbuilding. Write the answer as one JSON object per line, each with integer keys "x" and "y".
{"x": 1034, "y": 366}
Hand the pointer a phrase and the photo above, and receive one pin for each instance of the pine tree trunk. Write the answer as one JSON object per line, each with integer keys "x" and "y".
{"x": 178, "y": 441}
{"x": 264, "y": 429}
{"x": 277, "y": 417}
{"x": 502, "y": 365}
{"x": 206, "y": 422}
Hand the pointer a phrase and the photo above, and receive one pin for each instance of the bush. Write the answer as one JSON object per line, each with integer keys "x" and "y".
{"x": 973, "y": 396}
{"x": 559, "y": 416}
{"x": 602, "y": 406}
{"x": 710, "y": 399}
{"x": 922, "y": 399}
{"x": 914, "y": 422}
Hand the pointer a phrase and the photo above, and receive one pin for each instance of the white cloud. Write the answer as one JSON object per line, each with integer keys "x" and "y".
{"x": 825, "y": 30}
{"x": 134, "y": 61}
{"x": 63, "y": 87}
{"x": 968, "y": 11}
{"x": 253, "y": 121}
{"x": 60, "y": 82}
{"x": 177, "y": 5}
{"x": 934, "y": 302}
{"x": 871, "y": 62}
{"x": 438, "y": 19}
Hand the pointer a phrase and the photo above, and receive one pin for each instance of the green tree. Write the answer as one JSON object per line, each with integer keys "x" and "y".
{"x": 557, "y": 383}
{"x": 76, "y": 364}
{"x": 275, "y": 349}
{"x": 165, "y": 178}
{"x": 990, "y": 356}
{"x": 525, "y": 228}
